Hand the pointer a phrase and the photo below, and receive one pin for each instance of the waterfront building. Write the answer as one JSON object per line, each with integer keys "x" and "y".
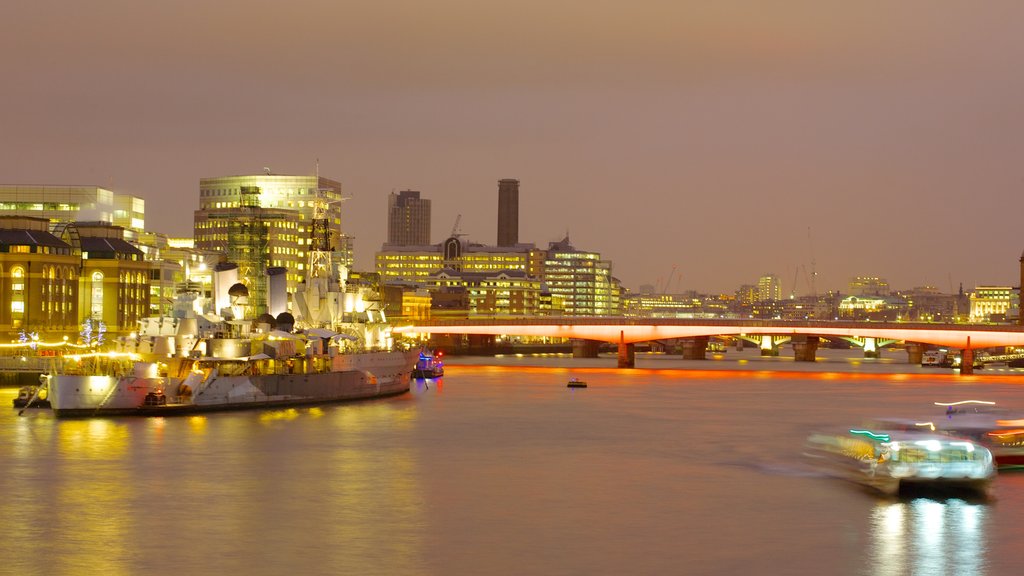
{"x": 651, "y": 305}
{"x": 508, "y": 212}
{"x": 991, "y": 303}
{"x": 256, "y": 238}
{"x": 805, "y": 308}
{"x": 39, "y": 278}
{"x": 927, "y": 304}
{"x": 503, "y": 293}
{"x": 114, "y": 294}
{"x": 581, "y": 279}
{"x": 408, "y": 263}
{"x": 878, "y": 308}
{"x": 417, "y": 263}
{"x": 74, "y": 203}
{"x": 282, "y": 192}
{"x": 408, "y": 219}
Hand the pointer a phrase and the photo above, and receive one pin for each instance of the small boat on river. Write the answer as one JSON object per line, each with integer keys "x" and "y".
{"x": 892, "y": 461}
{"x": 32, "y": 397}
{"x": 428, "y": 365}
{"x": 576, "y": 383}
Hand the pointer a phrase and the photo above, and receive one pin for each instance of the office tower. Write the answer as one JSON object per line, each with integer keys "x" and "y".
{"x": 408, "y": 219}
{"x": 281, "y": 192}
{"x": 769, "y": 288}
{"x": 508, "y": 212}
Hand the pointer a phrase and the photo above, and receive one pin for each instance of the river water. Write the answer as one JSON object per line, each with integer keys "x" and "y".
{"x": 675, "y": 467}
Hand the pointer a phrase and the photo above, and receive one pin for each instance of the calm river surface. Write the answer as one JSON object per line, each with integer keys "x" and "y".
{"x": 676, "y": 467}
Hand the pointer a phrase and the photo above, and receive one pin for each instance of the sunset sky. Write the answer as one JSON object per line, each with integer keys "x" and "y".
{"x": 728, "y": 139}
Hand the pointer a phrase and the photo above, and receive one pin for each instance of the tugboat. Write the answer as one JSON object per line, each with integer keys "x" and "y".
{"x": 429, "y": 365}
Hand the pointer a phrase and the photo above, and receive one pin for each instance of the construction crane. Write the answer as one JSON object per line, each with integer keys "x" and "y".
{"x": 668, "y": 283}
{"x": 455, "y": 227}
{"x": 814, "y": 272}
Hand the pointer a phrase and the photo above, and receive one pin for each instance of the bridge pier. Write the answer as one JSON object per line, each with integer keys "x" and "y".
{"x": 695, "y": 348}
{"x": 585, "y": 348}
{"x": 915, "y": 352}
{"x": 768, "y": 346}
{"x": 967, "y": 361}
{"x": 871, "y": 349}
{"x": 481, "y": 344}
{"x": 805, "y": 348}
{"x": 627, "y": 352}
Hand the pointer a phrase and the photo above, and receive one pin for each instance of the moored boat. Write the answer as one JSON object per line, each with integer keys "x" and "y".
{"x": 342, "y": 350}
{"x": 32, "y": 397}
{"x": 428, "y": 365}
{"x": 891, "y": 461}
{"x": 576, "y": 383}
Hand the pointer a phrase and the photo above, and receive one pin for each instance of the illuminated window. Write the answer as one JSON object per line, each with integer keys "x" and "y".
{"x": 97, "y": 295}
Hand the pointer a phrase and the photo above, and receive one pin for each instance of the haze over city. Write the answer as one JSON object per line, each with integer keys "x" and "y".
{"x": 727, "y": 139}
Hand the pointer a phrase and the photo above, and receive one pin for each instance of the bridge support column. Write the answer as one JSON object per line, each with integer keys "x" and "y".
{"x": 739, "y": 344}
{"x": 695, "y": 348}
{"x": 805, "y": 348}
{"x": 915, "y": 352}
{"x": 481, "y": 344}
{"x": 871, "y": 349}
{"x": 768, "y": 346}
{"x": 585, "y": 348}
{"x": 967, "y": 361}
{"x": 627, "y": 353}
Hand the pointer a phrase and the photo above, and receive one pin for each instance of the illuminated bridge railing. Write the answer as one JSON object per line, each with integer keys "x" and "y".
{"x": 620, "y": 329}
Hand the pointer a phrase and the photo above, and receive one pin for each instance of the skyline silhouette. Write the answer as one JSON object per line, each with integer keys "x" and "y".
{"x": 727, "y": 140}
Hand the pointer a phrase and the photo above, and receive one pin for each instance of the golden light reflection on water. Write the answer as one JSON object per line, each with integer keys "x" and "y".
{"x": 375, "y": 502}
{"x": 90, "y": 497}
{"x": 273, "y": 415}
{"x": 928, "y": 537}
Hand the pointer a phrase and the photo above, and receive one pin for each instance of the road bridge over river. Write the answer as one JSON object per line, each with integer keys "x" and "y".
{"x": 804, "y": 335}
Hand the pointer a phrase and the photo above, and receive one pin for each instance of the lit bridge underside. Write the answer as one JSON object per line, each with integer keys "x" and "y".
{"x": 629, "y": 331}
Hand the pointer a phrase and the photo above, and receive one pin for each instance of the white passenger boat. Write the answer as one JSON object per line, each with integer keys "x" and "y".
{"x": 996, "y": 428}
{"x": 894, "y": 460}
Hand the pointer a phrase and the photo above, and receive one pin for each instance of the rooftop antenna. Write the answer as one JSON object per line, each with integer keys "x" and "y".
{"x": 814, "y": 273}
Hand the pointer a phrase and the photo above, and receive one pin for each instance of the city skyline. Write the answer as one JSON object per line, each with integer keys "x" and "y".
{"x": 724, "y": 142}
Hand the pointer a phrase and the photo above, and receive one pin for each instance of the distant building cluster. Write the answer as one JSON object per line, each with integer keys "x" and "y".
{"x": 80, "y": 259}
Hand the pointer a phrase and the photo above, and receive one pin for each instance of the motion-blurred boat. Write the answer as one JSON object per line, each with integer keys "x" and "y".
{"x": 894, "y": 460}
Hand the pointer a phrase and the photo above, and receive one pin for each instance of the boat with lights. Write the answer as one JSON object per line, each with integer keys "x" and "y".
{"x": 892, "y": 461}
{"x": 32, "y": 396}
{"x": 429, "y": 365}
{"x": 997, "y": 428}
{"x": 338, "y": 347}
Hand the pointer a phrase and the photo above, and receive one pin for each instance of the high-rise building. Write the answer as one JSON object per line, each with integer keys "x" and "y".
{"x": 769, "y": 288}
{"x": 408, "y": 219}
{"x": 508, "y": 212}
{"x": 582, "y": 279}
{"x": 281, "y": 191}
